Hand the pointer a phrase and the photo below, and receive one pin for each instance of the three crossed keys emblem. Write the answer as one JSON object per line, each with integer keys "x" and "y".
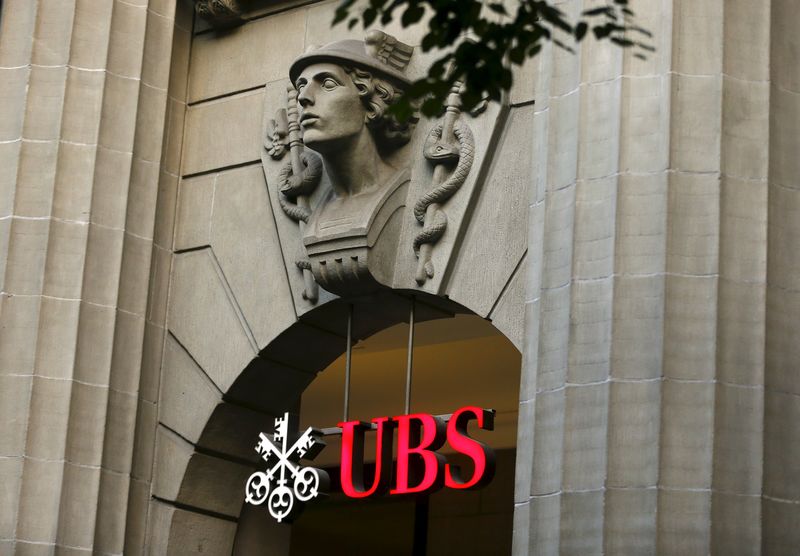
{"x": 285, "y": 485}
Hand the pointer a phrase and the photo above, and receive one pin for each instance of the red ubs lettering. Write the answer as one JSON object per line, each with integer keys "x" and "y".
{"x": 420, "y": 468}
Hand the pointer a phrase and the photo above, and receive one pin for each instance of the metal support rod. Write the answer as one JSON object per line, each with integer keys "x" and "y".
{"x": 410, "y": 357}
{"x": 347, "y": 363}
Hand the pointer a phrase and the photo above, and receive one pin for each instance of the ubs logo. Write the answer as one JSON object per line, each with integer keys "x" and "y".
{"x": 419, "y": 468}
{"x": 285, "y": 485}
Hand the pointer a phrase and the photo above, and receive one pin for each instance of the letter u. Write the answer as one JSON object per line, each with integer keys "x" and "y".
{"x": 352, "y": 461}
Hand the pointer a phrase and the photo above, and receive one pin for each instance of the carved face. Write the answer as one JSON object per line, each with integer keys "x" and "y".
{"x": 330, "y": 108}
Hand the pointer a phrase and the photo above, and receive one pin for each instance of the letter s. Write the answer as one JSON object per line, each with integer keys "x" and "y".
{"x": 481, "y": 454}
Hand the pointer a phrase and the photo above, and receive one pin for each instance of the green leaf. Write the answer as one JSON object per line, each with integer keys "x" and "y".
{"x": 342, "y": 11}
{"x": 563, "y": 46}
{"x": 428, "y": 42}
{"x": 369, "y": 16}
{"x": 402, "y": 110}
{"x": 605, "y": 10}
{"x": 641, "y": 31}
{"x": 412, "y": 15}
{"x": 517, "y": 55}
{"x": 431, "y": 106}
{"x": 580, "y": 30}
{"x": 625, "y": 43}
{"x": 601, "y": 32}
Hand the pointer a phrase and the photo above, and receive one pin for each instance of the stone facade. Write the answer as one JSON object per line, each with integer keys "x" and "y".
{"x": 632, "y": 227}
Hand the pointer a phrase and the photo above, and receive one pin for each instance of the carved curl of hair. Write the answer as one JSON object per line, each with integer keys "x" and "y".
{"x": 378, "y": 95}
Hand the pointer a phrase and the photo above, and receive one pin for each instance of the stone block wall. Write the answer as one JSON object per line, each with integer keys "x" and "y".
{"x": 232, "y": 295}
{"x": 651, "y": 279}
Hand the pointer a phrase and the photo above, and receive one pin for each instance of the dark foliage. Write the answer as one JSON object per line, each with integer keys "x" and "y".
{"x": 498, "y": 40}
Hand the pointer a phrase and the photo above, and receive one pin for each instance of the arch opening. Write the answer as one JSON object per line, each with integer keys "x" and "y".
{"x": 457, "y": 362}
{"x": 459, "y": 359}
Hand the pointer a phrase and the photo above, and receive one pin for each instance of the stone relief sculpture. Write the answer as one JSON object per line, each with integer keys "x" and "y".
{"x": 297, "y": 181}
{"x": 275, "y": 140}
{"x": 337, "y": 121}
{"x": 449, "y": 147}
{"x": 347, "y": 180}
{"x": 220, "y": 13}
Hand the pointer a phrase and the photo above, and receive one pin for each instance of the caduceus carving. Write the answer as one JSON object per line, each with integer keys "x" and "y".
{"x": 450, "y": 147}
{"x": 297, "y": 181}
{"x": 275, "y": 137}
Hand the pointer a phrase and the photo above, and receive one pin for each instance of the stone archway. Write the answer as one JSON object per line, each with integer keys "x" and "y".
{"x": 211, "y": 485}
{"x": 271, "y": 383}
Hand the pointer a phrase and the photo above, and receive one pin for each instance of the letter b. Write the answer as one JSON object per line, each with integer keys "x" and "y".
{"x": 419, "y": 436}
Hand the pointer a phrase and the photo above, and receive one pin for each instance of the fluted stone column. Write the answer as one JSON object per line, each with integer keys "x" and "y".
{"x": 781, "y": 490}
{"x": 643, "y": 409}
{"x": 83, "y": 107}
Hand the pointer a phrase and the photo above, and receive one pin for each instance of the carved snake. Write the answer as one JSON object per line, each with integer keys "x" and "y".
{"x": 438, "y": 151}
{"x": 292, "y": 186}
